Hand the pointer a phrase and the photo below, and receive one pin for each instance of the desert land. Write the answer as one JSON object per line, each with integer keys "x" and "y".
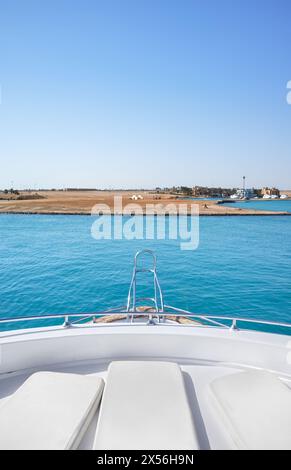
{"x": 81, "y": 202}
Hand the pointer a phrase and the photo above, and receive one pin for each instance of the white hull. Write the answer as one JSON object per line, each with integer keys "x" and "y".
{"x": 203, "y": 353}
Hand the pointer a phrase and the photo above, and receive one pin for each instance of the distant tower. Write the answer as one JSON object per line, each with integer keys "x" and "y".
{"x": 244, "y": 186}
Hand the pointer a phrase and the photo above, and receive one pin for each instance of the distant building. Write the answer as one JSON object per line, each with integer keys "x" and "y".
{"x": 246, "y": 193}
{"x": 203, "y": 191}
{"x": 270, "y": 192}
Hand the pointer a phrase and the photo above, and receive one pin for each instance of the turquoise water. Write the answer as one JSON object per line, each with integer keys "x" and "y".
{"x": 205, "y": 198}
{"x": 51, "y": 264}
{"x": 266, "y": 205}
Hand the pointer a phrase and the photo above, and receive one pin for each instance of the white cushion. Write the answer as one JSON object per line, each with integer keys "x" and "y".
{"x": 145, "y": 406}
{"x": 256, "y": 409}
{"x": 49, "y": 411}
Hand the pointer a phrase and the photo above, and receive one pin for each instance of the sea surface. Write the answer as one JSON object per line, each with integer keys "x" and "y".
{"x": 52, "y": 265}
{"x": 266, "y": 205}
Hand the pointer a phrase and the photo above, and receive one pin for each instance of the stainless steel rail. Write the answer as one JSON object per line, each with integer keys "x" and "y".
{"x": 132, "y": 301}
{"x": 214, "y": 321}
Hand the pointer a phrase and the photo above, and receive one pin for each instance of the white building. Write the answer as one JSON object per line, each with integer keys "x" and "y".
{"x": 244, "y": 194}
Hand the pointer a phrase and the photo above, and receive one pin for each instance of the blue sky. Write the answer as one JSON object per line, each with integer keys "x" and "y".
{"x": 145, "y": 93}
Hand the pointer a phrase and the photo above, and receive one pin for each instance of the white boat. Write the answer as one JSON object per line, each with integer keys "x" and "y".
{"x": 283, "y": 196}
{"x": 266, "y": 196}
{"x": 144, "y": 376}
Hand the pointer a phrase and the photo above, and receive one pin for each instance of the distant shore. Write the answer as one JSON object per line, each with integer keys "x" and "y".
{"x": 82, "y": 202}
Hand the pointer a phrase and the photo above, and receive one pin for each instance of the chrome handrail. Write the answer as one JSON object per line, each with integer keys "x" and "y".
{"x": 180, "y": 313}
{"x": 132, "y": 300}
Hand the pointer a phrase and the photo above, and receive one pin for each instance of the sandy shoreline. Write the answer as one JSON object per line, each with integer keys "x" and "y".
{"x": 245, "y": 214}
{"x": 82, "y": 202}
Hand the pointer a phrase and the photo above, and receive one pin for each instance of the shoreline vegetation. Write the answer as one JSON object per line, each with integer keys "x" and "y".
{"x": 81, "y": 203}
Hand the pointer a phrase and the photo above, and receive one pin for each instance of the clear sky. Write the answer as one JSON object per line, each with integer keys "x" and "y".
{"x": 145, "y": 93}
